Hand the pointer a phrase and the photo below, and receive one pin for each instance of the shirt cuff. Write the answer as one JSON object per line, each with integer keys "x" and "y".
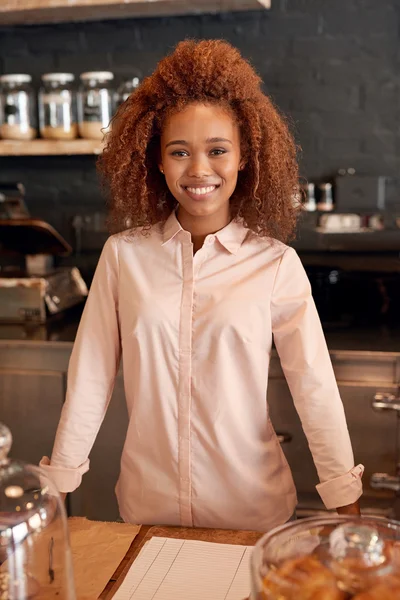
{"x": 343, "y": 490}
{"x": 66, "y": 480}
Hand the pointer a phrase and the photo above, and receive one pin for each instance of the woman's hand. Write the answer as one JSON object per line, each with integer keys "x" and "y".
{"x": 350, "y": 509}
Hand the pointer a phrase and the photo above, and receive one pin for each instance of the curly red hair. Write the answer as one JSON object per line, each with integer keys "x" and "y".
{"x": 214, "y": 72}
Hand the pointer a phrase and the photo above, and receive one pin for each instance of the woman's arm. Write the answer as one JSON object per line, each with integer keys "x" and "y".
{"x": 305, "y": 360}
{"x": 350, "y": 509}
{"x": 91, "y": 374}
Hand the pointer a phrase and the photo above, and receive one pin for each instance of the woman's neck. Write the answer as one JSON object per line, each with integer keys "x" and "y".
{"x": 201, "y": 227}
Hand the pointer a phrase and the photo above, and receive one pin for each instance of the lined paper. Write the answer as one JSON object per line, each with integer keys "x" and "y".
{"x": 169, "y": 569}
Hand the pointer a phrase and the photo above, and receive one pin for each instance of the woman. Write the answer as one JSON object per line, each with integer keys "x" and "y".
{"x": 203, "y": 169}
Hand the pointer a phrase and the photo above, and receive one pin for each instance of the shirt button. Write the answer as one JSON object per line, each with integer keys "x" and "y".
{"x": 211, "y": 240}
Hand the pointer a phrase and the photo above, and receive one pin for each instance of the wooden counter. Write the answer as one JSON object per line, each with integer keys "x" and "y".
{"x": 222, "y": 536}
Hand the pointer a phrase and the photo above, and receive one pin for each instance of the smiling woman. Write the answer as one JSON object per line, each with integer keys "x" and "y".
{"x": 201, "y": 163}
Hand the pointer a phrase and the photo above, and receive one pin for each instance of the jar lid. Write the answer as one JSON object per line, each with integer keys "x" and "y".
{"x": 100, "y": 75}
{"x": 61, "y": 77}
{"x": 16, "y": 78}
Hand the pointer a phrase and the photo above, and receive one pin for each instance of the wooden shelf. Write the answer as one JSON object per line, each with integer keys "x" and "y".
{"x": 49, "y": 148}
{"x": 53, "y": 11}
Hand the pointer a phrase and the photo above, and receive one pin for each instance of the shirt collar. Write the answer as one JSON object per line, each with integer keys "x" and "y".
{"x": 231, "y": 237}
{"x": 171, "y": 228}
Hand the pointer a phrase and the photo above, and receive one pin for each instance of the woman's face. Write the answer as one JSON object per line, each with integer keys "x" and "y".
{"x": 200, "y": 158}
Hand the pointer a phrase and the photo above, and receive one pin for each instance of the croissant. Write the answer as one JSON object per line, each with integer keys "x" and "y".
{"x": 306, "y": 578}
{"x": 303, "y": 578}
{"x": 383, "y": 591}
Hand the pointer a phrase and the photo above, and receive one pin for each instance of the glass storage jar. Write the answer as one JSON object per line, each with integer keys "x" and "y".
{"x": 328, "y": 558}
{"x": 95, "y": 104}
{"x": 35, "y": 555}
{"x": 325, "y": 201}
{"x": 17, "y": 107}
{"x": 127, "y": 88}
{"x": 58, "y": 107}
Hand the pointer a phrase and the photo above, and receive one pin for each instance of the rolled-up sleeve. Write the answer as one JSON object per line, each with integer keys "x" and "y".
{"x": 306, "y": 363}
{"x": 91, "y": 375}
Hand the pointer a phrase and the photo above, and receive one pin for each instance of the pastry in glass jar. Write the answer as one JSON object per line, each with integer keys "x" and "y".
{"x": 383, "y": 591}
{"x": 302, "y": 578}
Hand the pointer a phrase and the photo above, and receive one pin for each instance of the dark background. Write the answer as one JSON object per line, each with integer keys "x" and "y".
{"x": 332, "y": 66}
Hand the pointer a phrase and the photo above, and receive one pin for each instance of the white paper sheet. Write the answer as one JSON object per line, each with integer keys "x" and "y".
{"x": 168, "y": 569}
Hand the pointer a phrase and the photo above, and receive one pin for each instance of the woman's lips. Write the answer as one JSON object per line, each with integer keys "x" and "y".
{"x": 200, "y": 193}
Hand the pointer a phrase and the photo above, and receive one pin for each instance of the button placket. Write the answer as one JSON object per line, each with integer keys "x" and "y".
{"x": 184, "y": 397}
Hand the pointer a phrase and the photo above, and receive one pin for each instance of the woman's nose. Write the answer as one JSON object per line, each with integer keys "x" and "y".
{"x": 199, "y": 167}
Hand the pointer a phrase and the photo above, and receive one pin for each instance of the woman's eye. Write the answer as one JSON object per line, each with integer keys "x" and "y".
{"x": 179, "y": 153}
{"x": 218, "y": 151}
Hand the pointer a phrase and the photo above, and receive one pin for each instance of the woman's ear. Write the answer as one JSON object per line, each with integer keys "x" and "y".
{"x": 158, "y": 157}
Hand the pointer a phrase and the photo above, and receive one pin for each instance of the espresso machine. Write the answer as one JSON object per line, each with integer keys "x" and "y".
{"x": 32, "y": 288}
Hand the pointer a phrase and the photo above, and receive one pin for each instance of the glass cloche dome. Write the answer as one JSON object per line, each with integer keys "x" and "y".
{"x": 35, "y": 555}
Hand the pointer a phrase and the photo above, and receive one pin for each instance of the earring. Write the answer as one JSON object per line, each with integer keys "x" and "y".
{"x": 162, "y": 170}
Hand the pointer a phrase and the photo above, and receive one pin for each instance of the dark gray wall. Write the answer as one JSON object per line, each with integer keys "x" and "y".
{"x": 333, "y": 66}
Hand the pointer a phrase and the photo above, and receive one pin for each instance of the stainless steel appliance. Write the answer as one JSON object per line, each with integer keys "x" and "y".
{"x": 38, "y": 291}
{"x": 388, "y": 402}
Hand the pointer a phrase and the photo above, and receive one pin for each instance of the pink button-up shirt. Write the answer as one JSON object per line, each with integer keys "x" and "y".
{"x": 195, "y": 333}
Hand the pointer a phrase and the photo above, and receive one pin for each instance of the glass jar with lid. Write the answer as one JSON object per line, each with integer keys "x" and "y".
{"x": 330, "y": 558}
{"x": 126, "y": 89}
{"x": 58, "y": 107}
{"x": 95, "y": 104}
{"x": 35, "y": 555}
{"x": 17, "y": 107}
{"x": 309, "y": 203}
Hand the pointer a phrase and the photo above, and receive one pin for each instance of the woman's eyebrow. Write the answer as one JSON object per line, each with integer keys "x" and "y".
{"x": 216, "y": 140}
{"x": 177, "y": 143}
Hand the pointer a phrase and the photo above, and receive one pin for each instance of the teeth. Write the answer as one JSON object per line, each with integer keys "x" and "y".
{"x": 201, "y": 191}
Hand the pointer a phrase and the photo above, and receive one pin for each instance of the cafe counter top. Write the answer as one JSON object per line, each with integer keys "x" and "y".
{"x": 103, "y": 552}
